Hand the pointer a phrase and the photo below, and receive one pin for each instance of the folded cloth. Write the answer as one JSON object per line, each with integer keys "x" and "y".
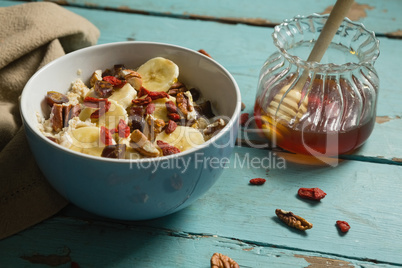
{"x": 32, "y": 35}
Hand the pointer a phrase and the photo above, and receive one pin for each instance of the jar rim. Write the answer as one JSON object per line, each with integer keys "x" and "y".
{"x": 332, "y": 67}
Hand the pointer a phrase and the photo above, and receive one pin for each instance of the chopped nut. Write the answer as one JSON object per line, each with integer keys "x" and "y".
{"x": 155, "y": 126}
{"x": 103, "y": 89}
{"x": 176, "y": 88}
{"x": 96, "y": 76}
{"x": 134, "y": 79}
{"x": 69, "y": 112}
{"x": 141, "y": 143}
{"x": 214, "y": 128}
{"x": 57, "y": 118}
{"x": 243, "y": 106}
{"x": 219, "y": 260}
{"x": 293, "y": 220}
{"x": 62, "y": 114}
{"x": 54, "y": 97}
{"x": 182, "y": 103}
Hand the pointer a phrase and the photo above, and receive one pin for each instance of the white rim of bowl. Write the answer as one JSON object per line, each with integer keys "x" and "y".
{"x": 228, "y": 126}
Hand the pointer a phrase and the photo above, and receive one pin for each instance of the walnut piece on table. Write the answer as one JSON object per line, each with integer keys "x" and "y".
{"x": 293, "y": 220}
{"x": 219, "y": 260}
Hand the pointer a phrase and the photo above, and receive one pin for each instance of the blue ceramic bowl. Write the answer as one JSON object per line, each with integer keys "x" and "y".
{"x": 132, "y": 189}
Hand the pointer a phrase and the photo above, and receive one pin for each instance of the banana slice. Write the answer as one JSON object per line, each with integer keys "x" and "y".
{"x": 160, "y": 108}
{"x": 86, "y": 140}
{"x": 110, "y": 119}
{"x": 183, "y": 138}
{"x": 158, "y": 74}
{"x": 124, "y": 95}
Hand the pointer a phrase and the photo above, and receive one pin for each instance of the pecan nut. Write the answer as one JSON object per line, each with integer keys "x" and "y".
{"x": 155, "y": 126}
{"x": 57, "y": 118}
{"x": 219, "y": 260}
{"x": 141, "y": 143}
{"x": 134, "y": 79}
{"x": 176, "y": 88}
{"x": 293, "y": 220}
{"x": 182, "y": 103}
{"x": 62, "y": 114}
{"x": 212, "y": 129}
{"x": 96, "y": 76}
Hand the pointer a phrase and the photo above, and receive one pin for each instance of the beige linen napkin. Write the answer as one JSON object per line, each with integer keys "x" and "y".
{"x": 31, "y": 36}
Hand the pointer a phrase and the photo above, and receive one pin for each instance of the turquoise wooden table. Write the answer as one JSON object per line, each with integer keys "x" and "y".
{"x": 234, "y": 218}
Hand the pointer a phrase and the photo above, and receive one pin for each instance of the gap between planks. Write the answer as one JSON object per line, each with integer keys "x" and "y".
{"x": 312, "y": 257}
{"x": 259, "y": 22}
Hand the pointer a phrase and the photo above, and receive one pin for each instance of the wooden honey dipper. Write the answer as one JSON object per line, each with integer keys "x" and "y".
{"x": 287, "y": 107}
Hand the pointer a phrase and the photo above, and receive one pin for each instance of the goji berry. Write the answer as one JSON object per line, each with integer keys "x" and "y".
{"x": 103, "y": 106}
{"x": 170, "y": 127}
{"x": 171, "y": 107}
{"x": 150, "y": 108}
{"x": 154, "y": 95}
{"x": 142, "y": 92}
{"x": 106, "y": 136}
{"x": 174, "y": 116}
{"x": 92, "y": 102}
{"x": 167, "y": 149}
{"x": 114, "y": 81}
{"x": 343, "y": 226}
{"x": 311, "y": 193}
{"x": 123, "y": 129}
{"x": 243, "y": 119}
{"x": 142, "y": 102}
{"x": 257, "y": 181}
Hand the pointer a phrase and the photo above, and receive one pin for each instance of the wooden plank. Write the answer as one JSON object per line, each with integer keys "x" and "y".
{"x": 359, "y": 193}
{"x": 248, "y": 48}
{"x": 379, "y": 16}
{"x": 65, "y": 242}
{"x": 242, "y": 49}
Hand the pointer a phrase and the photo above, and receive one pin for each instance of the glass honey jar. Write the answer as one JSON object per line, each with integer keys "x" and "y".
{"x": 318, "y": 111}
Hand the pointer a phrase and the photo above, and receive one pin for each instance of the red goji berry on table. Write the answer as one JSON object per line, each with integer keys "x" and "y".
{"x": 257, "y": 181}
{"x": 311, "y": 193}
{"x": 343, "y": 226}
{"x": 243, "y": 119}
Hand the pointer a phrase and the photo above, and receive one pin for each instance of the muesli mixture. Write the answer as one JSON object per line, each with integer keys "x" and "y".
{"x": 131, "y": 113}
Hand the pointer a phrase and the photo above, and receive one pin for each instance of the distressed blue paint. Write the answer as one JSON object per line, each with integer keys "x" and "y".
{"x": 381, "y": 16}
{"x": 233, "y": 217}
